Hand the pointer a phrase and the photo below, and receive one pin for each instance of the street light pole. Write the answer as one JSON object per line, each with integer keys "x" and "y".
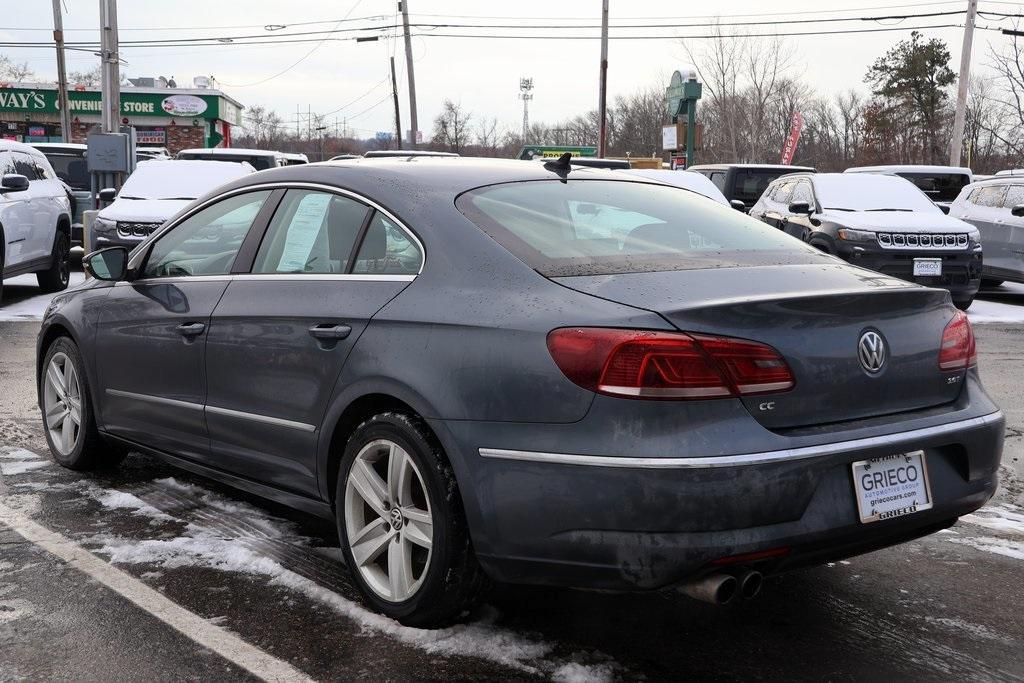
{"x": 62, "y": 77}
{"x": 404, "y": 6}
{"x": 394, "y": 96}
{"x": 110, "y": 77}
{"x": 964, "y": 81}
{"x": 602, "y": 111}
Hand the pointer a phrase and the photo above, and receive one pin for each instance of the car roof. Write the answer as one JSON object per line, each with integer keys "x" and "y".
{"x": 999, "y": 180}
{"x": 231, "y": 151}
{"x": 15, "y": 146}
{"x": 795, "y": 169}
{"x": 909, "y": 168}
{"x": 43, "y": 146}
{"x": 385, "y": 153}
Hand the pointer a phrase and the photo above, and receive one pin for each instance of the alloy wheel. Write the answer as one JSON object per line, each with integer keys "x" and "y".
{"x": 62, "y": 400}
{"x": 388, "y": 520}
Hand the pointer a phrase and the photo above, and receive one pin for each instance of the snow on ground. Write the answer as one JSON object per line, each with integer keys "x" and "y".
{"x": 1008, "y": 310}
{"x": 23, "y": 300}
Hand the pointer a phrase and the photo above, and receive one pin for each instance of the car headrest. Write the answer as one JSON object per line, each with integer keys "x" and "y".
{"x": 375, "y": 243}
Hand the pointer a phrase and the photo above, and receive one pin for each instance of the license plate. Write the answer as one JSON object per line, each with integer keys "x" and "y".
{"x": 892, "y": 486}
{"x": 927, "y": 266}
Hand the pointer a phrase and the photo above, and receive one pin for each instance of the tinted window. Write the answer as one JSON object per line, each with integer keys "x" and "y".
{"x": 940, "y": 187}
{"x": 206, "y": 242}
{"x": 598, "y": 227}
{"x": 748, "y": 186}
{"x": 311, "y": 232}
{"x": 71, "y": 169}
{"x": 387, "y": 250}
{"x": 25, "y": 165}
{"x": 1014, "y": 196}
{"x": 258, "y": 161}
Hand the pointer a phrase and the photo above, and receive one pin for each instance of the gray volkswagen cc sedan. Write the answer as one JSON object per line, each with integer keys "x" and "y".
{"x": 489, "y": 370}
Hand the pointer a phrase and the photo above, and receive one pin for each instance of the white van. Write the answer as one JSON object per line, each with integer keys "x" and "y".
{"x": 35, "y": 218}
{"x": 260, "y": 159}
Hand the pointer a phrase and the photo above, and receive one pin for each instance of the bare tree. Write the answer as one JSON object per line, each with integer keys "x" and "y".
{"x": 1007, "y": 59}
{"x": 13, "y": 71}
{"x": 487, "y": 133}
{"x": 451, "y": 127}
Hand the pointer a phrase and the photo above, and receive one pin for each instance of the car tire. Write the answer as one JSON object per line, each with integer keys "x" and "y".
{"x": 397, "y": 575}
{"x": 964, "y": 304}
{"x": 991, "y": 283}
{"x": 56, "y": 277}
{"x": 62, "y": 397}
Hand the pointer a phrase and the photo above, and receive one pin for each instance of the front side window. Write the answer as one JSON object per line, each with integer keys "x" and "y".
{"x": 25, "y": 165}
{"x": 718, "y": 178}
{"x": 597, "y": 227}
{"x": 782, "y": 192}
{"x": 802, "y": 193}
{"x": 311, "y": 232}
{"x": 206, "y": 242}
{"x": 990, "y": 196}
{"x": 1014, "y": 196}
{"x": 387, "y": 250}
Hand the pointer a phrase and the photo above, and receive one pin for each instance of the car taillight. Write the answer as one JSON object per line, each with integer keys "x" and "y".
{"x": 958, "y": 350}
{"x": 667, "y": 365}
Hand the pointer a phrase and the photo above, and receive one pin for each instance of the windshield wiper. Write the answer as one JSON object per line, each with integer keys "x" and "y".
{"x": 123, "y": 197}
{"x": 837, "y": 208}
{"x": 909, "y": 210}
{"x": 176, "y": 198}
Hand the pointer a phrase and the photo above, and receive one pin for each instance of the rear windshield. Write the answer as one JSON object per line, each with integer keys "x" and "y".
{"x": 71, "y": 169}
{"x": 940, "y": 187}
{"x": 600, "y": 227}
{"x": 748, "y": 186}
{"x": 258, "y": 161}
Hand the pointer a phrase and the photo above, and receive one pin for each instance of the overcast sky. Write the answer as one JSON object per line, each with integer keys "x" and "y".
{"x": 481, "y": 74}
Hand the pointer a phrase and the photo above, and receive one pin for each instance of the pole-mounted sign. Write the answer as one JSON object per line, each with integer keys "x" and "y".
{"x": 681, "y": 97}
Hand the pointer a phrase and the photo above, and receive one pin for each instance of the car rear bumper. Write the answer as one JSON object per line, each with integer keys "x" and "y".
{"x": 629, "y": 522}
{"x": 961, "y": 271}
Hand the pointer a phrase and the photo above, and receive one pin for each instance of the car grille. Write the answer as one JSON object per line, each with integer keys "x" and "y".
{"x": 916, "y": 240}
{"x": 130, "y": 229}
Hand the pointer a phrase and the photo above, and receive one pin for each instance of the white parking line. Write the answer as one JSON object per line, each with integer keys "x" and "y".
{"x": 219, "y": 640}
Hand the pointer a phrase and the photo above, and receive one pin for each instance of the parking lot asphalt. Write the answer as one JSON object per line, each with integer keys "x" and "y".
{"x": 149, "y": 573}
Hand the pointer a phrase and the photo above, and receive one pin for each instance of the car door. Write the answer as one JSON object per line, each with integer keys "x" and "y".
{"x": 776, "y": 203}
{"x": 798, "y": 225}
{"x": 36, "y": 208}
{"x": 1014, "y": 264}
{"x": 282, "y": 332}
{"x": 51, "y": 201}
{"x": 15, "y": 219}
{"x": 987, "y": 214}
{"x": 151, "y": 331}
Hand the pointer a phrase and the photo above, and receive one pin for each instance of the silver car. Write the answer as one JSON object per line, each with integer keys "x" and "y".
{"x": 996, "y": 208}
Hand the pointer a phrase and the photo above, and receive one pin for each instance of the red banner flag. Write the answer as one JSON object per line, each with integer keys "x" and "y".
{"x": 796, "y": 125}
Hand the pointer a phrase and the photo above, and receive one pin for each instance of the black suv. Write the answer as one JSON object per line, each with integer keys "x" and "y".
{"x": 745, "y": 182}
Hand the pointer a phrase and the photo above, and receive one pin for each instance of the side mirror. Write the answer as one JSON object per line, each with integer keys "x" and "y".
{"x": 1017, "y": 211}
{"x": 107, "y": 194}
{"x": 944, "y": 208}
{"x": 107, "y": 264}
{"x": 738, "y": 205}
{"x": 800, "y": 207}
{"x": 13, "y": 182}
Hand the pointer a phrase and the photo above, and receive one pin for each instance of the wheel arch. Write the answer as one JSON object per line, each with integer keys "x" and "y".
{"x": 55, "y": 330}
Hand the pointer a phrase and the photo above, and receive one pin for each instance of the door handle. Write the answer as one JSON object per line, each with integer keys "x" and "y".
{"x": 191, "y": 329}
{"x": 329, "y": 331}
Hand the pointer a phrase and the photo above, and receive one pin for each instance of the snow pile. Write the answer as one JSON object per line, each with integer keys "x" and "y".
{"x": 14, "y": 461}
{"x": 991, "y": 544}
{"x": 122, "y": 500}
{"x": 998, "y": 518}
{"x": 994, "y": 313}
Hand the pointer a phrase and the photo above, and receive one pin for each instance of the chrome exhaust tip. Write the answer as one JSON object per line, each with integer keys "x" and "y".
{"x": 718, "y": 589}
{"x": 750, "y": 584}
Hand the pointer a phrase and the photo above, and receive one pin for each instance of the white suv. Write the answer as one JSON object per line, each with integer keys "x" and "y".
{"x": 35, "y": 218}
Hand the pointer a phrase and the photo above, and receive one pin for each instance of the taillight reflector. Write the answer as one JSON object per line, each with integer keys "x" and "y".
{"x": 667, "y": 365}
{"x": 958, "y": 350}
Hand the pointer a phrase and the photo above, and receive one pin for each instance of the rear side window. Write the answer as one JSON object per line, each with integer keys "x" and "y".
{"x": 387, "y": 250}
{"x": 991, "y": 195}
{"x": 718, "y": 178}
{"x": 748, "y": 186}
{"x": 596, "y": 227}
{"x": 1014, "y": 196}
{"x": 311, "y": 232}
{"x": 940, "y": 187}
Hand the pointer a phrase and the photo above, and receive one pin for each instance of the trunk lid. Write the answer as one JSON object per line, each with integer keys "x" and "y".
{"x": 814, "y": 315}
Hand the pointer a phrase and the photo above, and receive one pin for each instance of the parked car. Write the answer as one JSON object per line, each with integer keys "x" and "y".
{"x": 68, "y": 162}
{"x": 1010, "y": 171}
{"x": 294, "y": 158}
{"x": 589, "y": 162}
{"x": 745, "y": 182}
{"x": 881, "y": 222}
{"x": 153, "y": 193}
{"x": 35, "y": 218}
{"x": 996, "y": 208}
{"x": 405, "y": 153}
{"x": 941, "y": 183}
{"x": 260, "y": 159}
{"x": 154, "y": 152}
{"x": 688, "y": 180}
{"x": 438, "y": 356}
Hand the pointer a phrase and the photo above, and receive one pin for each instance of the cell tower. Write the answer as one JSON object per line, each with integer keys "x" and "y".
{"x": 525, "y": 86}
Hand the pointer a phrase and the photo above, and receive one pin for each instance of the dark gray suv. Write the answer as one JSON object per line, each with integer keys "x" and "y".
{"x": 531, "y": 373}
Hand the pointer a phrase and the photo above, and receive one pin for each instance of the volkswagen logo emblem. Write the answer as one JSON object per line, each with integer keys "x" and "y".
{"x": 872, "y": 351}
{"x": 396, "y": 518}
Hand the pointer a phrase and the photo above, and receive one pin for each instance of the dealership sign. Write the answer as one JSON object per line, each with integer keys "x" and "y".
{"x": 88, "y": 103}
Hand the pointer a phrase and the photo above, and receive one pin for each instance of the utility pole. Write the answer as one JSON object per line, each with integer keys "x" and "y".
{"x": 62, "y": 77}
{"x": 602, "y": 106}
{"x": 404, "y": 6}
{"x": 962, "y": 84}
{"x": 525, "y": 86}
{"x": 110, "y": 75}
{"x": 394, "y": 96}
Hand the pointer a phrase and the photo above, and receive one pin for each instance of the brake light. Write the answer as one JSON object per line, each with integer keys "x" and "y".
{"x": 667, "y": 365}
{"x": 958, "y": 350}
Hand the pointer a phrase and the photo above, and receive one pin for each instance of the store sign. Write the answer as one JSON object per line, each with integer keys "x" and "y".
{"x": 555, "y": 151}
{"x": 183, "y": 105}
{"x": 669, "y": 137}
{"x": 88, "y": 103}
{"x": 36, "y": 131}
{"x": 150, "y": 137}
